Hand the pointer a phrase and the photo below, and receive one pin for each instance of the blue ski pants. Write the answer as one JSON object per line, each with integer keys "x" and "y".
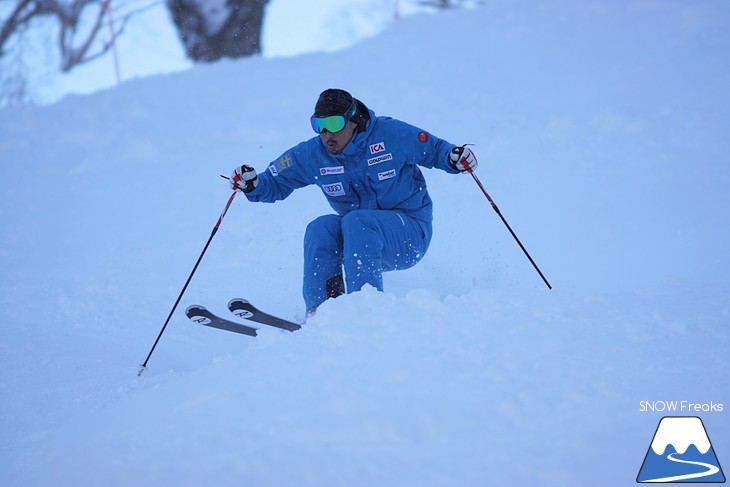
{"x": 364, "y": 243}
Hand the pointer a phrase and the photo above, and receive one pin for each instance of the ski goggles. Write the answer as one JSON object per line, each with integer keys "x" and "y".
{"x": 333, "y": 123}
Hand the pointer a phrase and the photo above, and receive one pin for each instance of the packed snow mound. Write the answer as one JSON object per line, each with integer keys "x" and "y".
{"x": 600, "y": 129}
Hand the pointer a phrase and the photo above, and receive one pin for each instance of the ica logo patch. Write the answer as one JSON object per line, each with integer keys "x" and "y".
{"x": 680, "y": 452}
{"x": 334, "y": 189}
{"x": 379, "y": 147}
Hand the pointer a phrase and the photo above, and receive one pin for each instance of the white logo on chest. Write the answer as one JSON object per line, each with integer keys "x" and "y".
{"x": 334, "y": 189}
{"x": 379, "y": 159}
{"x": 386, "y": 175}
{"x": 332, "y": 170}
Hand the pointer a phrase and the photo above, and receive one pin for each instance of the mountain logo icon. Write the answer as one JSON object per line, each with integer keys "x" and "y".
{"x": 680, "y": 452}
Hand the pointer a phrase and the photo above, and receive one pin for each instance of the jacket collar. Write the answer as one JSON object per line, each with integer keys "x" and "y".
{"x": 358, "y": 142}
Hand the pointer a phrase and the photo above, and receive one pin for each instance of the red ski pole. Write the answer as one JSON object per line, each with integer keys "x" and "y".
{"x": 195, "y": 268}
{"x": 494, "y": 205}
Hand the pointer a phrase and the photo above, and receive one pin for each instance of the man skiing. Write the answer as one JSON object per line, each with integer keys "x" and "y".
{"x": 367, "y": 168}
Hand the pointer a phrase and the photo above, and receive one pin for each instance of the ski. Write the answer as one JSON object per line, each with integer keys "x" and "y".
{"x": 243, "y": 309}
{"x": 200, "y": 315}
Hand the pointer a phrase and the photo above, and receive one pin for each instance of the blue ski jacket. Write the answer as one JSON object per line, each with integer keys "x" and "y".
{"x": 376, "y": 170}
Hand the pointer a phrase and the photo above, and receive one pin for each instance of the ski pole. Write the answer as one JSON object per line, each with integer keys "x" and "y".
{"x": 494, "y": 205}
{"x": 195, "y": 268}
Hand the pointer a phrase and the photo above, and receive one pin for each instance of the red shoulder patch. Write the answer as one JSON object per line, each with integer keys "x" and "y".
{"x": 423, "y": 136}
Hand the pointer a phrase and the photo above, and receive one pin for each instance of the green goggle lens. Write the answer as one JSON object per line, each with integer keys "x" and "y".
{"x": 333, "y": 123}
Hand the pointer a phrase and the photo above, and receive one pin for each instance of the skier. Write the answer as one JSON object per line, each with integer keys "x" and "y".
{"x": 367, "y": 168}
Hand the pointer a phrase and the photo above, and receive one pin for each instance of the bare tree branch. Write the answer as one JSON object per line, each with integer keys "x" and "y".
{"x": 75, "y": 47}
{"x": 70, "y": 55}
{"x": 19, "y": 17}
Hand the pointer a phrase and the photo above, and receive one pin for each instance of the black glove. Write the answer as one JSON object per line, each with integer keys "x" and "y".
{"x": 244, "y": 179}
{"x": 462, "y": 159}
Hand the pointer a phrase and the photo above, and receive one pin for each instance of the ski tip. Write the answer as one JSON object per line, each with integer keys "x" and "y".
{"x": 238, "y": 301}
{"x": 195, "y": 307}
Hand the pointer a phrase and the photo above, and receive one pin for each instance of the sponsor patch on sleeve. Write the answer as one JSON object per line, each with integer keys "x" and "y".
{"x": 283, "y": 163}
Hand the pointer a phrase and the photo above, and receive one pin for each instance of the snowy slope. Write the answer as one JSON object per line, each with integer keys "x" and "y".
{"x": 602, "y": 132}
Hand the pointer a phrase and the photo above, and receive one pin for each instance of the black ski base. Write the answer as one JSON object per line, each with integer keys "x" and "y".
{"x": 200, "y": 315}
{"x": 243, "y": 309}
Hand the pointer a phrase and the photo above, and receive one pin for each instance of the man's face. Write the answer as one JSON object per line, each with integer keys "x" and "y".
{"x": 336, "y": 141}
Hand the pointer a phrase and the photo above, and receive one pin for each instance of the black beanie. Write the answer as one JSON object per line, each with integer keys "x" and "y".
{"x": 332, "y": 102}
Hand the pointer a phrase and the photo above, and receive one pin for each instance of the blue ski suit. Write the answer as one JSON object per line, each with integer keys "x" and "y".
{"x": 384, "y": 212}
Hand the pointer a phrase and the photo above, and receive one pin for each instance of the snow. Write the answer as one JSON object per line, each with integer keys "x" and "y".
{"x": 601, "y": 131}
{"x": 293, "y": 27}
{"x": 216, "y": 12}
{"x": 681, "y": 432}
{"x": 150, "y": 43}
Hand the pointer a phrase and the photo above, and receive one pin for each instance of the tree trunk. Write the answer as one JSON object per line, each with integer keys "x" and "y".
{"x": 212, "y": 29}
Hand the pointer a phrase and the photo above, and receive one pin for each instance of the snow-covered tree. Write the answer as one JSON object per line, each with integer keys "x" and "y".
{"x": 212, "y": 29}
